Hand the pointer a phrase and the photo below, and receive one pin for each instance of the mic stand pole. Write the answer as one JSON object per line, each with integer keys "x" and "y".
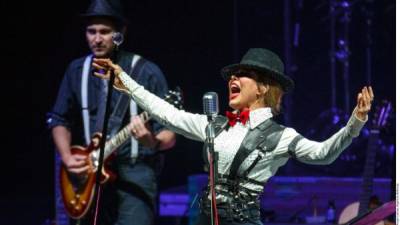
{"x": 210, "y": 135}
{"x": 97, "y": 190}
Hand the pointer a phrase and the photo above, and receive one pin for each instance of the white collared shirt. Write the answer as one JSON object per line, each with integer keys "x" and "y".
{"x": 228, "y": 142}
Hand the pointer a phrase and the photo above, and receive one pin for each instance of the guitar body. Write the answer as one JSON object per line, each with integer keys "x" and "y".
{"x": 77, "y": 192}
{"x": 350, "y": 212}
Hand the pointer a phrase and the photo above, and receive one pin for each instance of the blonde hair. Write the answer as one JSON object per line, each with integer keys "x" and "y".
{"x": 272, "y": 97}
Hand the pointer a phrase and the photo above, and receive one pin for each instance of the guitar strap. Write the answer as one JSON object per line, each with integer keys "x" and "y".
{"x": 123, "y": 101}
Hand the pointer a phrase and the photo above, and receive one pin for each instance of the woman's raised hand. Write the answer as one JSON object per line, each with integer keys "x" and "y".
{"x": 104, "y": 67}
{"x": 364, "y": 101}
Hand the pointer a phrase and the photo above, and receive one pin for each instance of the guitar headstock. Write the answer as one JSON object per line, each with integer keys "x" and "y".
{"x": 175, "y": 97}
{"x": 382, "y": 112}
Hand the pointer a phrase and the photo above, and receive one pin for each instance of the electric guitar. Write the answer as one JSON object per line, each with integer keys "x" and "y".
{"x": 359, "y": 208}
{"x": 77, "y": 191}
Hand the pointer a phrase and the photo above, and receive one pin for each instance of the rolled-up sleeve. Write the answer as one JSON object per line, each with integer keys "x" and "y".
{"x": 61, "y": 112}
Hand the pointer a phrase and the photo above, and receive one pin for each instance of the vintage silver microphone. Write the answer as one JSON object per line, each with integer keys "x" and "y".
{"x": 210, "y": 105}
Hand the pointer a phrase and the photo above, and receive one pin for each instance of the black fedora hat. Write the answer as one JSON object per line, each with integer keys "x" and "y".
{"x": 265, "y": 62}
{"x": 106, "y": 8}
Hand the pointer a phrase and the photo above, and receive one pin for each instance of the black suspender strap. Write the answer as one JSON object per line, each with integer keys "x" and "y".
{"x": 117, "y": 116}
{"x": 265, "y": 136}
{"x": 270, "y": 143}
{"x": 293, "y": 144}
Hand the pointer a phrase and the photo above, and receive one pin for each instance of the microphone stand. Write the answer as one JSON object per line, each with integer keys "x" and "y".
{"x": 97, "y": 190}
{"x": 210, "y": 135}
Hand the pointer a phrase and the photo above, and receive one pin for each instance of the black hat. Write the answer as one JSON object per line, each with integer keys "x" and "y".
{"x": 106, "y": 8}
{"x": 264, "y": 61}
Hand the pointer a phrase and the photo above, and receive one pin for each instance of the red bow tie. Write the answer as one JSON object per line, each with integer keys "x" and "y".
{"x": 235, "y": 117}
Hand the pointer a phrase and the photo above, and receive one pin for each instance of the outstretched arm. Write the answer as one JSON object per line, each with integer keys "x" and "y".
{"x": 327, "y": 151}
{"x": 190, "y": 125}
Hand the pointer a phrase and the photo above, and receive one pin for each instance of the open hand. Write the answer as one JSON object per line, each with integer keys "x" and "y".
{"x": 104, "y": 68}
{"x": 364, "y": 101}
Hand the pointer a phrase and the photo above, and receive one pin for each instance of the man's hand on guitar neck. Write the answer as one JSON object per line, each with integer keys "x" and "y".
{"x": 76, "y": 164}
{"x": 141, "y": 132}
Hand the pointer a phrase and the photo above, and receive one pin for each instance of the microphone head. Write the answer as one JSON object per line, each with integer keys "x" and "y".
{"x": 117, "y": 38}
{"x": 211, "y": 104}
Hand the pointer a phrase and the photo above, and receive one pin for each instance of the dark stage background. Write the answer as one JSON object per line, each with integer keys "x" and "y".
{"x": 191, "y": 41}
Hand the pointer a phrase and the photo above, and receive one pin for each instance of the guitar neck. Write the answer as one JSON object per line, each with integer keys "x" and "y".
{"x": 369, "y": 171}
{"x": 122, "y": 136}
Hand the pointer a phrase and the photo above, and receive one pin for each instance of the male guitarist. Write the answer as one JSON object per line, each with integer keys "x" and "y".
{"x": 79, "y": 110}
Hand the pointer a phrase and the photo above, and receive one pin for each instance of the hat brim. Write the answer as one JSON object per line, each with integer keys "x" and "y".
{"x": 286, "y": 82}
{"x": 120, "y": 20}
